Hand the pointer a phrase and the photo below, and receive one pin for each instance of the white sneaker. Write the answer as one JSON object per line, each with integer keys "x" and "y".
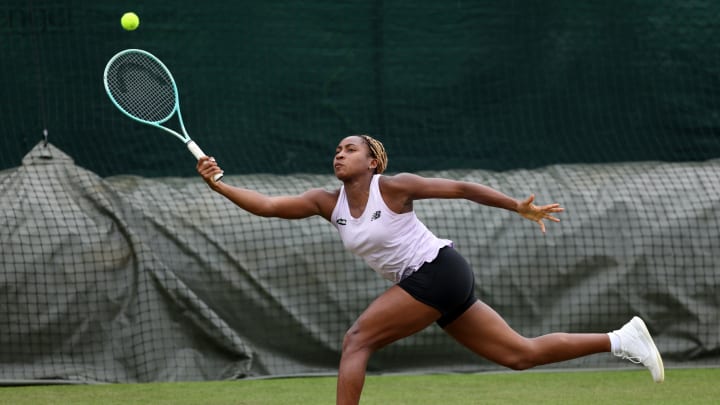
{"x": 637, "y": 345}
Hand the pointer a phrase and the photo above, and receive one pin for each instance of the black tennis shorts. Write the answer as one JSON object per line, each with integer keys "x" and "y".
{"x": 446, "y": 284}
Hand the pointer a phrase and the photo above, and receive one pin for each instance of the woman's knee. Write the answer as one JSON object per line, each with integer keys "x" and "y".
{"x": 356, "y": 340}
{"x": 521, "y": 358}
{"x": 519, "y": 363}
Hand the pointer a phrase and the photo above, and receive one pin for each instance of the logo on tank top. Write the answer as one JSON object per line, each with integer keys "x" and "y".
{"x": 341, "y": 221}
{"x": 375, "y": 216}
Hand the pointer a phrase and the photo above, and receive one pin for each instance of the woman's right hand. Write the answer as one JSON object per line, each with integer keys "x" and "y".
{"x": 208, "y": 168}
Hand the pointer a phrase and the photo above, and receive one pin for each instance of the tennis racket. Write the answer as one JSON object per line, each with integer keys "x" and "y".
{"x": 141, "y": 86}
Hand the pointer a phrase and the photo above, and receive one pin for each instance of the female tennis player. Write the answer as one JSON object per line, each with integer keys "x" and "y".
{"x": 432, "y": 282}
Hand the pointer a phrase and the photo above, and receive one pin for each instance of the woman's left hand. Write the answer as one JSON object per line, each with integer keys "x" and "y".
{"x": 538, "y": 213}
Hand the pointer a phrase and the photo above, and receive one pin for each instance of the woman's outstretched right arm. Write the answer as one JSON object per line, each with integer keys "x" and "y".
{"x": 310, "y": 203}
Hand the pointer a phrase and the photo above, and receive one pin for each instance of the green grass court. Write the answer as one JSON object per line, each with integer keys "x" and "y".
{"x": 681, "y": 386}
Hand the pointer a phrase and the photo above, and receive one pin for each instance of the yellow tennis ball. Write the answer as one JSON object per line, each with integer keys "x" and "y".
{"x": 130, "y": 21}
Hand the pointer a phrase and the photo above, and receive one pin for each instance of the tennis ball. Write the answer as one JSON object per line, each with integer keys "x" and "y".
{"x": 130, "y": 21}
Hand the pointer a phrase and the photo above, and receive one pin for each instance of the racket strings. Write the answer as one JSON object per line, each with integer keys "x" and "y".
{"x": 142, "y": 87}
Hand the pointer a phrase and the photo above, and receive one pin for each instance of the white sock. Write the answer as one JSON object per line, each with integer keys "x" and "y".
{"x": 614, "y": 342}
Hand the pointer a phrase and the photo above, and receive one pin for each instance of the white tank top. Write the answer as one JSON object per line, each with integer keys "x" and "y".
{"x": 394, "y": 245}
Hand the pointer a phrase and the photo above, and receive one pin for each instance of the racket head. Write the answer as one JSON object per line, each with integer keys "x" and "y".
{"x": 141, "y": 86}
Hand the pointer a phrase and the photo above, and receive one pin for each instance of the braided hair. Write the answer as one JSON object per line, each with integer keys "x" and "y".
{"x": 377, "y": 151}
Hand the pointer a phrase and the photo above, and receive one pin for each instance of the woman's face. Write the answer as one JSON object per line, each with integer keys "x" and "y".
{"x": 352, "y": 157}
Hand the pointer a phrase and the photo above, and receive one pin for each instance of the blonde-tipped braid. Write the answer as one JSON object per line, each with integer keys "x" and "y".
{"x": 377, "y": 151}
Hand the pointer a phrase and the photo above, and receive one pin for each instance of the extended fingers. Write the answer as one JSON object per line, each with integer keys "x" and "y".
{"x": 552, "y": 218}
{"x": 552, "y": 208}
{"x": 547, "y": 211}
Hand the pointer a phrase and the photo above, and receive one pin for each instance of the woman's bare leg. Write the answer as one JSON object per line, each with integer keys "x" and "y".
{"x": 483, "y": 331}
{"x": 392, "y": 316}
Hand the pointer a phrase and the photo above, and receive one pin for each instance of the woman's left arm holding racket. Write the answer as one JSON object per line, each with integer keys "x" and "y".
{"x": 312, "y": 202}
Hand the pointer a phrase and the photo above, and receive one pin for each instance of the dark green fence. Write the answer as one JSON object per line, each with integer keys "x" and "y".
{"x": 272, "y": 86}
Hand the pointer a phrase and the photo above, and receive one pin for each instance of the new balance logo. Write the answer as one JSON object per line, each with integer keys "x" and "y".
{"x": 341, "y": 221}
{"x": 375, "y": 215}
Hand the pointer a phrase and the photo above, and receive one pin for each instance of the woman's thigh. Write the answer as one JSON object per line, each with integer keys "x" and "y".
{"x": 393, "y": 315}
{"x": 486, "y": 333}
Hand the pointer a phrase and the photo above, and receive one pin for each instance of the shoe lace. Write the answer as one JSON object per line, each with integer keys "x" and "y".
{"x": 636, "y": 358}
{"x": 633, "y": 359}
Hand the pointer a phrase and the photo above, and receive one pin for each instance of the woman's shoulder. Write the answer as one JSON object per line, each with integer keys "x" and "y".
{"x": 398, "y": 191}
{"x": 321, "y": 194}
{"x": 324, "y": 199}
{"x": 399, "y": 180}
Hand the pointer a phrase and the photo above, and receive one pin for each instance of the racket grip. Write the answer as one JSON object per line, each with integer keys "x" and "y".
{"x": 195, "y": 150}
{"x": 198, "y": 153}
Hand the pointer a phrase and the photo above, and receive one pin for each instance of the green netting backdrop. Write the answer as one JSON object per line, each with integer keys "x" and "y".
{"x": 117, "y": 264}
{"x": 272, "y": 86}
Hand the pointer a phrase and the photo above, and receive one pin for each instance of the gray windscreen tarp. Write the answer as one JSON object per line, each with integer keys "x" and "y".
{"x": 129, "y": 279}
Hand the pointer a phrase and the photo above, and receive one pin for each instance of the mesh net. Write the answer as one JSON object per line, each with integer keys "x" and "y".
{"x": 117, "y": 263}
